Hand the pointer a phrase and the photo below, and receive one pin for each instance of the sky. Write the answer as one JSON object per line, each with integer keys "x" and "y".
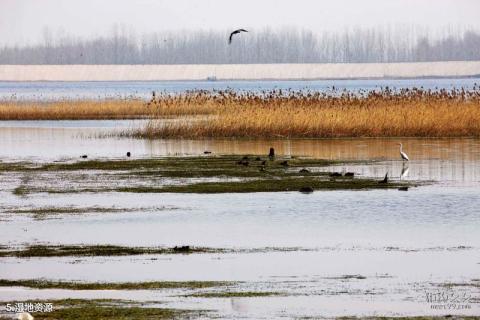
{"x": 24, "y": 21}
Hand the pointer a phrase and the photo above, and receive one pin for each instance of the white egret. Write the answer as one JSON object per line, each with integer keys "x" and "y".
{"x": 403, "y": 154}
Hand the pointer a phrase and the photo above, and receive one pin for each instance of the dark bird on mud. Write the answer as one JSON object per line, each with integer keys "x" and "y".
{"x": 234, "y": 33}
{"x": 181, "y": 249}
{"x": 385, "y": 180}
{"x": 128, "y": 154}
{"x": 349, "y": 174}
{"x": 243, "y": 162}
{"x": 306, "y": 190}
{"x": 335, "y": 174}
{"x": 207, "y": 152}
{"x": 271, "y": 153}
{"x": 84, "y": 156}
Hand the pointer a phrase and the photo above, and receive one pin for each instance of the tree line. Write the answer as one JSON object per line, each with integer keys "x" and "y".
{"x": 287, "y": 45}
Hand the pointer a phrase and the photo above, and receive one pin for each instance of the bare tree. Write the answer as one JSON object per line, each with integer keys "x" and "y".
{"x": 286, "y": 45}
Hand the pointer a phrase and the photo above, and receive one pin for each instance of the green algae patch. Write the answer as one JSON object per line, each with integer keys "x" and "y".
{"x": 75, "y": 285}
{"x": 106, "y": 309}
{"x": 235, "y": 294}
{"x": 64, "y": 210}
{"x": 198, "y": 166}
{"x": 267, "y": 185}
{"x": 46, "y": 250}
{"x": 97, "y": 250}
{"x": 196, "y": 174}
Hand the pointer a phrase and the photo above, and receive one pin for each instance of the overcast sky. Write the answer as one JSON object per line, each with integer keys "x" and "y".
{"x": 22, "y": 21}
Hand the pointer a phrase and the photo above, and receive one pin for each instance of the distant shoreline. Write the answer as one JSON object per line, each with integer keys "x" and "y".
{"x": 238, "y": 72}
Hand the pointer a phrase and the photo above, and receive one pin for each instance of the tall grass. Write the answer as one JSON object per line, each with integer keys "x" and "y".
{"x": 278, "y": 114}
{"x": 74, "y": 110}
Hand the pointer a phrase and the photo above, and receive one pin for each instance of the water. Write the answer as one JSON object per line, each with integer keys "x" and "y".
{"x": 402, "y": 244}
{"x": 430, "y": 216}
{"x": 442, "y": 160}
{"x": 143, "y": 89}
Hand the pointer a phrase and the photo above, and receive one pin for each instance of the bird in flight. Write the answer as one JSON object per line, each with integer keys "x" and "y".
{"x": 235, "y": 32}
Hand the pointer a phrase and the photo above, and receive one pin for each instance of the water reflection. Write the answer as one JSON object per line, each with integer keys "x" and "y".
{"x": 448, "y": 160}
{"x": 418, "y": 238}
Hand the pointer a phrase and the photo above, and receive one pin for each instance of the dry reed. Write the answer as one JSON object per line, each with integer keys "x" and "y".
{"x": 278, "y": 114}
{"x": 73, "y": 110}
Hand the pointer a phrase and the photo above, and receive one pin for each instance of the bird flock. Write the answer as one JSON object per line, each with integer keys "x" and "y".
{"x": 271, "y": 155}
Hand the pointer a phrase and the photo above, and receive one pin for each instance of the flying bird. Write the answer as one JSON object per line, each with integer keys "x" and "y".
{"x": 403, "y": 154}
{"x": 235, "y": 32}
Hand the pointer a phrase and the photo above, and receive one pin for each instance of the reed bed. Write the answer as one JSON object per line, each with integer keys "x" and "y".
{"x": 277, "y": 114}
{"x": 74, "y": 110}
{"x": 164, "y": 105}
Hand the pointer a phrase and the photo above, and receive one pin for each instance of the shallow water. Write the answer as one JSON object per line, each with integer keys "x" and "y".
{"x": 49, "y": 90}
{"x": 403, "y": 243}
{"x": 443, "y": 160}
{"x": 424, "y": 217}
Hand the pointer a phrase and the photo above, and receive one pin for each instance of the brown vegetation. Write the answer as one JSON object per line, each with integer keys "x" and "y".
{"x": 280, "y": 114}
{"x": 73, "y": 110}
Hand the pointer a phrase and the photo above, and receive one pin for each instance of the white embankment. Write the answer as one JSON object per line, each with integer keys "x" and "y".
{"x": 238, "y": 71}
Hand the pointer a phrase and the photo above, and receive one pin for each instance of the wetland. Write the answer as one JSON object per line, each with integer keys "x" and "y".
{"x": 213, "y": 227}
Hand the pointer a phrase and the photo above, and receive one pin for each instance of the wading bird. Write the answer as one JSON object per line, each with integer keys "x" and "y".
{"x": 403, "y": 154}
{"x": 235, "y": 32}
